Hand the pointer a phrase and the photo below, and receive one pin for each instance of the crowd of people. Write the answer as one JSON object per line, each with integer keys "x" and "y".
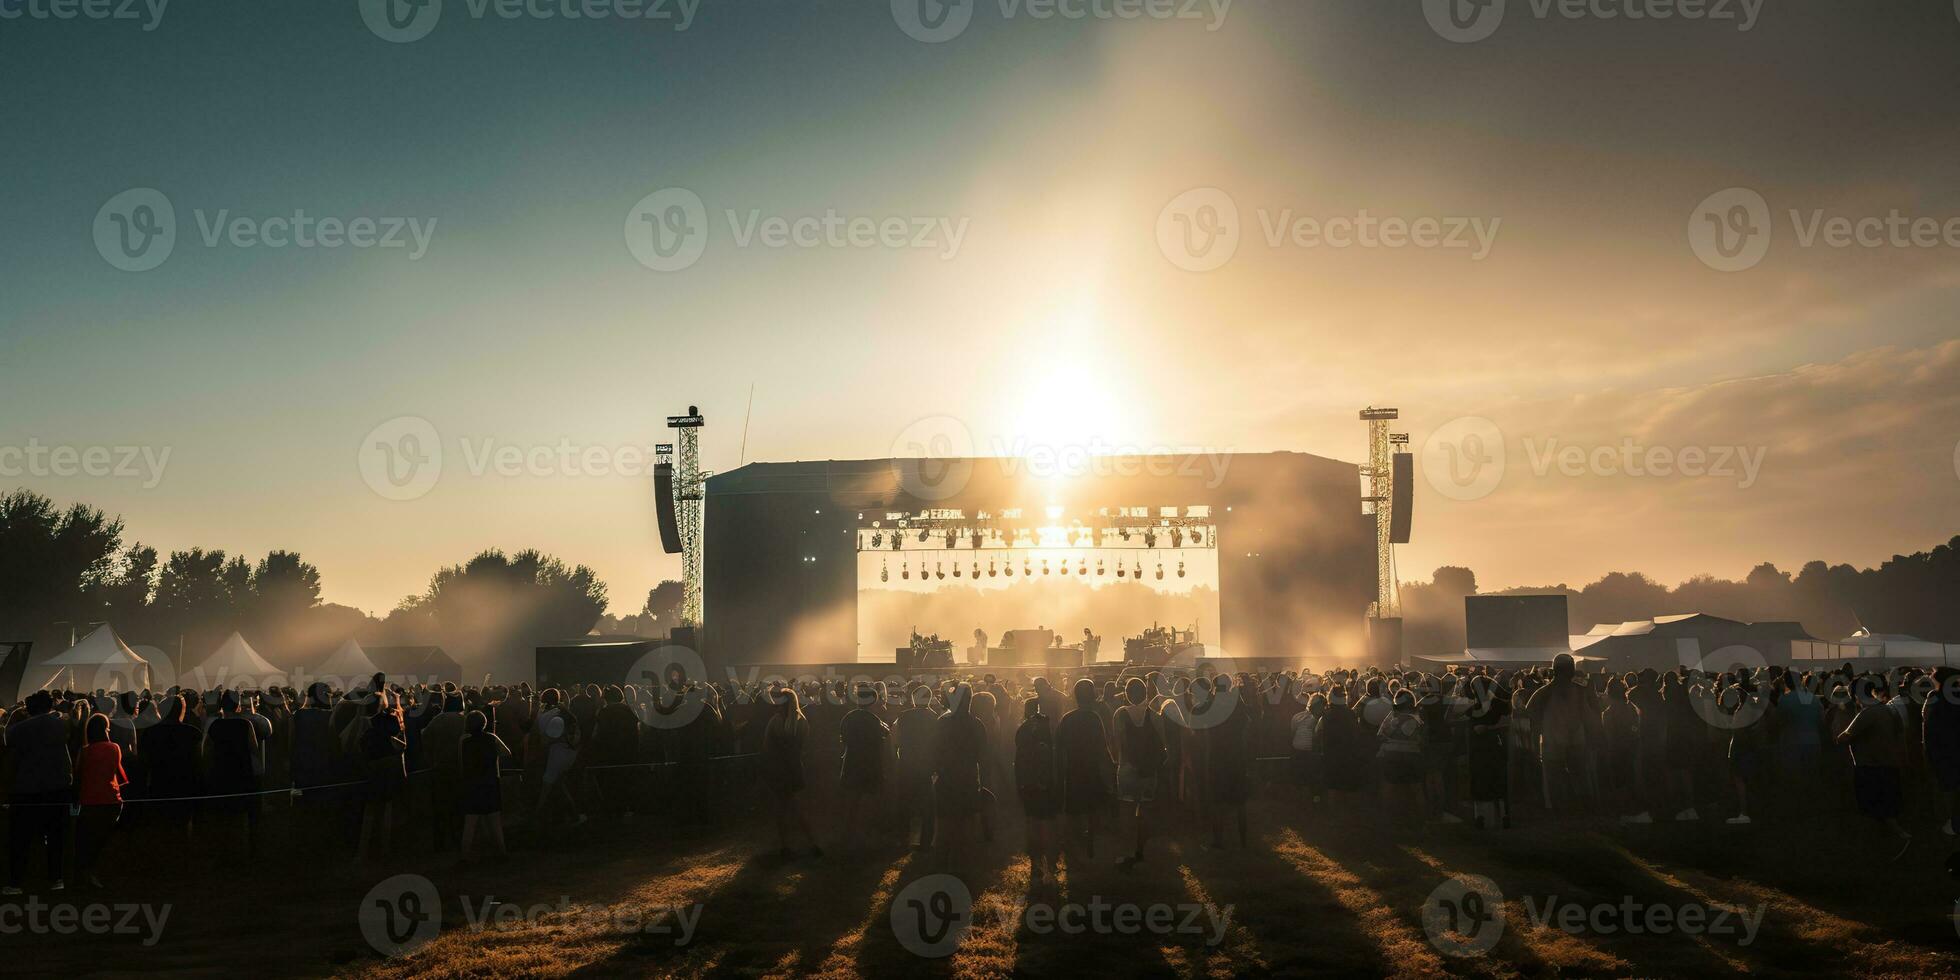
{"x": 1107, "y": 761}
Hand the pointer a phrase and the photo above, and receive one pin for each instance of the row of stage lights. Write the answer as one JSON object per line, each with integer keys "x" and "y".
{"x": 1027, "y": 569}
{"x": 1079, "y": 538}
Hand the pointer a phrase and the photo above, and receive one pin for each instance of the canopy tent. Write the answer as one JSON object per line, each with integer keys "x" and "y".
{"x": 349, "y": 667}
{"x": 100, "y": 661}
{"x": 237, "y": 666}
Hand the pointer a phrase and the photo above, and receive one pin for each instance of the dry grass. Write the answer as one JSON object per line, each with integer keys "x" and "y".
{"x": 1315, "y": 898}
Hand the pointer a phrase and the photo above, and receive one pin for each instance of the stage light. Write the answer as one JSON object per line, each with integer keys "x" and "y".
{"x": 1126, "y": 533}
{"x": 1009, "y": 569}
{"x": 976, "y": 569}
{"x": 1099, "y": 567}
{"x": 950, "y": 538}
{"x": 1120, "y": 570}
{"x": 1197, "y": 536}
{"x": 1150, "y": 539}
{"x": 1082, "y": 567}
{"x": 1177, "y": 538}
{"x": 1064, "y": 566}
{"x": 885, "y": 572}
{"x": 1136, "y": 571}
{"x": 990, "y": 569}
{"x": 905, "y": 570}
{"x": 956, "y": 569}
{"x": 1044, "y": 566}
{"x": 896, "y": 542}
{"x": 1160, "y": 571}
{"x": 877, "y": 540}
{"x": 1180, "y": 569}
{"x": 924, "y": 535}
{"x": 976, "y": 539}
{"x": 938, "y": 570}
{"x": 1027, "y": 567}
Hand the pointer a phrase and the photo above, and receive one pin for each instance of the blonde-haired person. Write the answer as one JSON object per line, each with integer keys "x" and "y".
{"x": 782, "y": 771}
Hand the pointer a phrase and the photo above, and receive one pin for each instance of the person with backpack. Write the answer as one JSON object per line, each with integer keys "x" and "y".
{"x": 1035, "y": 782}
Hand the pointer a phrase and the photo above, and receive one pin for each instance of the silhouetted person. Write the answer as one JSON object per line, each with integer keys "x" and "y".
{"x": 231, "y": 757}
{"x": 782, "y": 771}
{"x": 479, "y": 760}
{"x": 40, "y": 774}
{"x": 1037, "y": 785}
{"x": 1082, "y": 759}
{"x": 914, "y": 735}
{"x": 1139, "y": 759}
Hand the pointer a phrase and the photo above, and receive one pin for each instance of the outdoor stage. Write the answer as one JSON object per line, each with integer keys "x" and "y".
{"x": 1282, "y": 540}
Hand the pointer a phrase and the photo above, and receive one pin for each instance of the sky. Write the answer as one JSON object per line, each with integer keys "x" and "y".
{"x": 1709, "y": 256}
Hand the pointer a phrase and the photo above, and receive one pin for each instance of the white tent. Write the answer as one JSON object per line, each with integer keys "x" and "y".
{"x": 101, "y": 660}
{"x": 348, "y": 667}
{"x": 237, "y": 666}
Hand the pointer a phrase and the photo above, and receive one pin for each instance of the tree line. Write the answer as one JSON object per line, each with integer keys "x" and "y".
{"x": 1916, "y": 594}
{"x": 64, "y": 570}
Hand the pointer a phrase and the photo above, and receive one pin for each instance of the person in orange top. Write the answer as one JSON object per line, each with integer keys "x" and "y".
{"x": 100, "y": 779}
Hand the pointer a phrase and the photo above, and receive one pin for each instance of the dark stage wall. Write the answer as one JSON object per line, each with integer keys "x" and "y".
{"x": 1296, "y": 554}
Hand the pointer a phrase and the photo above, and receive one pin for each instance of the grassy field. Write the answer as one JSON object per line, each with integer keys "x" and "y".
{"x": 1315, "y": 896}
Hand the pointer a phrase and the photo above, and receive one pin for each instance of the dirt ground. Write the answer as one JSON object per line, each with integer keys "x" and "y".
{"x": 1314, "y": 895}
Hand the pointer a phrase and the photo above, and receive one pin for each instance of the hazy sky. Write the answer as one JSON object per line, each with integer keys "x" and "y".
{"x": 1041, "y": 284}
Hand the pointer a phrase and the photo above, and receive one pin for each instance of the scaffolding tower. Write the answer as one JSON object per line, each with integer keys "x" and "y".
{"x": 1380, "y": 474}
{"x": 690, "y": 482}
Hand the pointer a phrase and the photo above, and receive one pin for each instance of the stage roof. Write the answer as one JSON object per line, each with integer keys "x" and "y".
{"x": 1002, "y": 481}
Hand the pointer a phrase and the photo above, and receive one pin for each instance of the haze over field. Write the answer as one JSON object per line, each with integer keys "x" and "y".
{"x": 1815, "y": 395}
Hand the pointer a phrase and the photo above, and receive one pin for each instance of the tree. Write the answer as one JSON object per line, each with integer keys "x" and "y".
{"x": 52, "y": 564}
{"x": 496, "y": 609}
{"x": 664, "y": 605}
